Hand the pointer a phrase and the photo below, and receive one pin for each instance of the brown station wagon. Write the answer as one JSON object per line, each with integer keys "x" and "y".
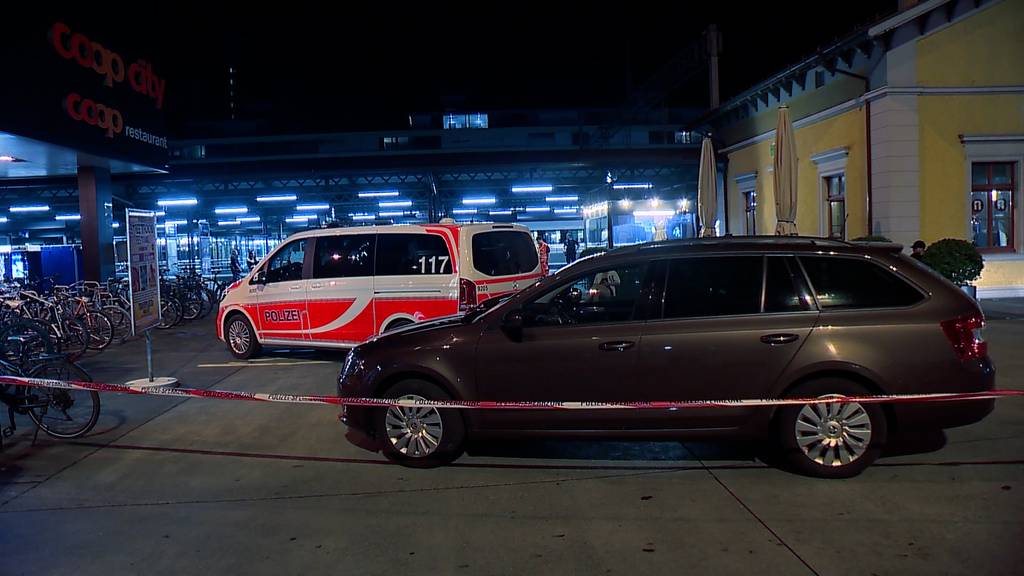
{"x": 722, "y": 318}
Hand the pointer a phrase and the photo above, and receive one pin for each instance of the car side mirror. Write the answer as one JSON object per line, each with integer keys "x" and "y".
{"x": 512, "y": 325}
{"x": 259, "y": 277}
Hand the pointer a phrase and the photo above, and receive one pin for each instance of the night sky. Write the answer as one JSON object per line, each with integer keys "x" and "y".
{"x": 313, "y": 69}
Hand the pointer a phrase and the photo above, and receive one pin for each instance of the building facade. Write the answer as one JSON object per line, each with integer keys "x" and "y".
{"x": 912, "y": 128}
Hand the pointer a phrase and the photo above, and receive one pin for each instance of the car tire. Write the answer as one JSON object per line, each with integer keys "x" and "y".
{"x": 398, "y": 324}
{"x": 830, "y": 440}
{"x": 419, "y": 437}
{"x": 240, "y": 338}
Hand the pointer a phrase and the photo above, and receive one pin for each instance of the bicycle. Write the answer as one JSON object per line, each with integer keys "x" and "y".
{"x": 60, "y": 413}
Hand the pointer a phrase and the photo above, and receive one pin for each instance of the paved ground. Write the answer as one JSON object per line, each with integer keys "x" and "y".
{"x": 168, "y": 486}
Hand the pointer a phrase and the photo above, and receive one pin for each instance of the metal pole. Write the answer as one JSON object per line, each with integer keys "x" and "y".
{"x": 149, "y": 353}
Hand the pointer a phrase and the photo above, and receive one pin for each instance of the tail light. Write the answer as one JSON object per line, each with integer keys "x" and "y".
{"x": 467, "y": 295}
{"x": 964, "y": 334}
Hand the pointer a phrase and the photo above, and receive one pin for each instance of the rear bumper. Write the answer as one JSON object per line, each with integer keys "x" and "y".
{"x": 977, "y": 376}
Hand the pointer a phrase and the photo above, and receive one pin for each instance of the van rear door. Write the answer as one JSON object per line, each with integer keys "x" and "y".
{"x": 504, "y": 260}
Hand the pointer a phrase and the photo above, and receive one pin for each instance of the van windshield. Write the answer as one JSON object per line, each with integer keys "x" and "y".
{"x": 504, "y": 253}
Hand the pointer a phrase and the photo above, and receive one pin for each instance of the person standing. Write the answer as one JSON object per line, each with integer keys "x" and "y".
{"x": 570, "y": 248}
{"x": 251, "y": 260}
{"x": 917, "y": 250}
{"x": 236, "y": 266}
{"x": 544, "y": 251}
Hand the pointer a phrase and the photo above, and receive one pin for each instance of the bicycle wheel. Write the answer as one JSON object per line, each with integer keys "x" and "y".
{"x": 191, "y": 308}
{"x": 122, "y": 322}
{"x": 76, "y": 338}
{"x": 101, "y": 329}
{"x": 59, "y": 412}
{"x": 170, "y": 314}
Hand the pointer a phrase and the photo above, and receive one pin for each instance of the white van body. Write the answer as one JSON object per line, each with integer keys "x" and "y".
{"x": 338, "y": 287}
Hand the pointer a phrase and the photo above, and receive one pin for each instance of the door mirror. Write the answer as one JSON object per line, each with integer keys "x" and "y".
{"x": 512, "y": 325}
{"x": 575, "y": 295}
{"x": 259, "y": 277}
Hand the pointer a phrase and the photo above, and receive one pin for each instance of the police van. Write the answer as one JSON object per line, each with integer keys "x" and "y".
{"x": 336, "y": 288}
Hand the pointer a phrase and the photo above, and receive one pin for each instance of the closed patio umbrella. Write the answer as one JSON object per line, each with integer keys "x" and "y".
{"x": 707, "y": 189}
{"x": 784, "y": 175}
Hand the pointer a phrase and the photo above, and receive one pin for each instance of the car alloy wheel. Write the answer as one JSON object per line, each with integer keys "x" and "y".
{"x": 414, "y": 432}
{"x": 239, "y": 336}
{"x": 834, "y": 434}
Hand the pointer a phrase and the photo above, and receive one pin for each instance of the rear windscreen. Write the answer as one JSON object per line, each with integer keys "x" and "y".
{"x": 504, "y": 253}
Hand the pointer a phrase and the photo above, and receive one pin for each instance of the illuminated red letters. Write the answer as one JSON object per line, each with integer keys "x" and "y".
{"x": 107, "y": 63}
{"x": 94, "y": 114}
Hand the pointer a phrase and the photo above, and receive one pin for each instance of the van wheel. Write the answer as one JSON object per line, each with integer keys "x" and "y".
{"x": 241, "y": 338}
{"x": 830, "y": 440}
{"x": 398, "y": 324}
{"x": 420, "y": 437}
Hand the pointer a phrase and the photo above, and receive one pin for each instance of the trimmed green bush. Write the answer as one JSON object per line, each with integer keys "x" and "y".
{"x": 957, "y": 260}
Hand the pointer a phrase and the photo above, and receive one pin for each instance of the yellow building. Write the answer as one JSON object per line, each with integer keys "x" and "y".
{"x": 912, "y": 128}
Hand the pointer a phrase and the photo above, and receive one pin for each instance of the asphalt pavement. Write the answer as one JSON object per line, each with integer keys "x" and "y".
{"x": 187, "y": 486}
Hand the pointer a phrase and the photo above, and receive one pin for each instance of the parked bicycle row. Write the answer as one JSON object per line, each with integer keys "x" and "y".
{"x": 90, "y": 316}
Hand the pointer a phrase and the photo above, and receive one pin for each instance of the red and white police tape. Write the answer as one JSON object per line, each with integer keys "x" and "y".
{"x": 492, "y": 405}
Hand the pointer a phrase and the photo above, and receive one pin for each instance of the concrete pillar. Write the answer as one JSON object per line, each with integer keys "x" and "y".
{"x": 96, "y": 208}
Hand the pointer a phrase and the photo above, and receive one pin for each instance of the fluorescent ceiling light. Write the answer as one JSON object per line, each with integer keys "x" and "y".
{"x": 538, "y": 208}
{"x": 231, "y": 210}
{"x": 395, "y": 204}
{"x": 248, "y": 219}
{"x": 562, "y": 198}
{"x": 115, "y": 225}
{"x": 6, "y": 158}
{"x": 390, "y": 214}
{"x": 160, "y": 214}
{"x": 303, "y": 216}
{"x": 653, "y": 213}
{"x": 33, "y": 208}
{"x": 312, "y": 207}
{"x": 228, "y": 223}
{"x": 177, "y": 202}
{"x": 379, "y": 194}
{"x": 464, "y": 211}
{"x": 277, "y": 198}
{"x": 363, "y": 216}
{"x": 176, "y": 222}
{"x": 644, "y": 186}
{"x": 566, "y": 210}
{"x": 500, "y": 212}
{"x": 297, "y": 220}
{"x": 474, "y": 201}
{"x": 536, "y": 188}
{"x": 68, "y": 217}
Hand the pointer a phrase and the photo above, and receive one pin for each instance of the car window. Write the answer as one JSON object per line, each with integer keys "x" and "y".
{"x": 344, "y": 256}
{"x": 848, "y": 283}
{"x": 713, "y": 286}
{"x": 412, "y": 254}
{"x": 784, "y": 289}
{"x": 504, "y": 253}
{"x": 606, "y": 296}
{"x": 286, "y": 264}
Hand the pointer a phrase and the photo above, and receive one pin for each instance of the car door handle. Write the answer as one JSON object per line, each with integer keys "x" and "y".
{"x": 775, "y": 339}
{"x": 299, "y": 287}
{"x": 316, "y": 286}
{"x": 618, "y": 346}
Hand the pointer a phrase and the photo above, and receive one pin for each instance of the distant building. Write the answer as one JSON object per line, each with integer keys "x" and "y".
{"x": 912, "y": 128}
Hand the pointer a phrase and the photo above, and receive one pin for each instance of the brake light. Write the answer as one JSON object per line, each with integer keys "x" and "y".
{"x": 964, "y": 334}
{"x": 467, "y": 294}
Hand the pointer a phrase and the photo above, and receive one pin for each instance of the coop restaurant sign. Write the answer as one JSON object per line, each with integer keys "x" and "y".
{"x": 74, "y": 87}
